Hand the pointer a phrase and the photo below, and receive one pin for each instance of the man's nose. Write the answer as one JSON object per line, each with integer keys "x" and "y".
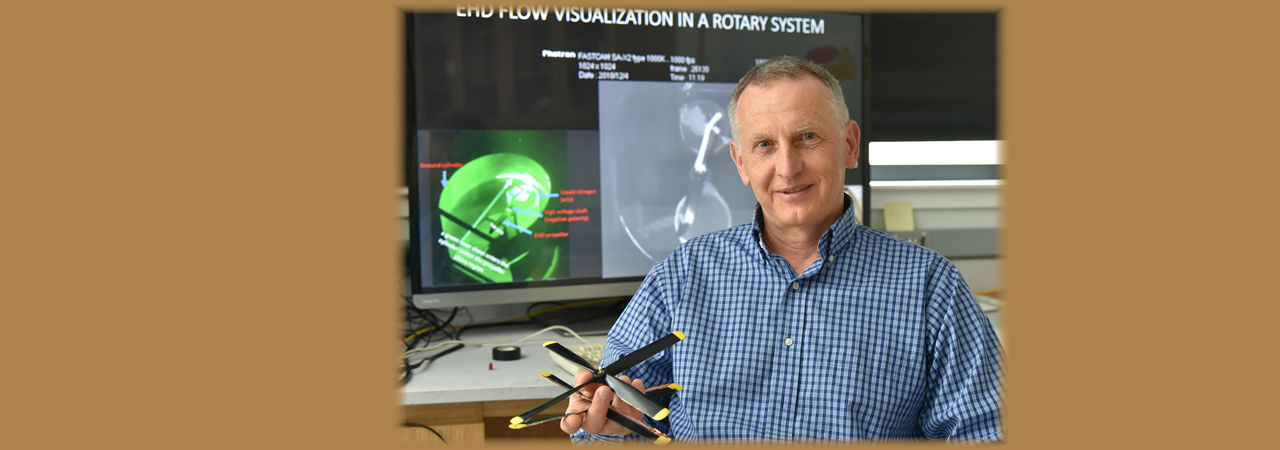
{"x": 789, "y": 161}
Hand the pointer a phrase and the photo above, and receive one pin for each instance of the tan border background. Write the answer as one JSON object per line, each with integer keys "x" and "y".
{"x": 200, "y": 245}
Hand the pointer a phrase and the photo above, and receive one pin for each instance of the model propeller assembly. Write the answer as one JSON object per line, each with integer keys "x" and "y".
{"x": 607, "y": 375}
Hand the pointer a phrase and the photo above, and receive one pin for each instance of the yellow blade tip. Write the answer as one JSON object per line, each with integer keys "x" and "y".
{"x": 516, "y": 426}
{"x": 661, "y": 414}
{"x": 544, "y": 344}
{"x": 545, "y": 374}
{"x": 678, "y": 334}
{"x": 662, "y": 440}
{"x": 516, "y": 420}
{"x": 676, "y": 387}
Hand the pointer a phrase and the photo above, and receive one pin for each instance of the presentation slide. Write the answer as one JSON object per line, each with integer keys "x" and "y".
{"x": 666, "y": 171}
{"x": 504, "y": 205}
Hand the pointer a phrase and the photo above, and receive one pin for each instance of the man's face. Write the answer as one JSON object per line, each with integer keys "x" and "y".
{"x": 794, "y": 152}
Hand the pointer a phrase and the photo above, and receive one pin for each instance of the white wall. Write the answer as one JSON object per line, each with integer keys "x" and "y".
{"x": 943, "y": 207}
{"x": 950, "y": 207}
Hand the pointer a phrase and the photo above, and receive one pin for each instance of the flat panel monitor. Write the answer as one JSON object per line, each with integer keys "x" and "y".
{"x": 558, "y": 153}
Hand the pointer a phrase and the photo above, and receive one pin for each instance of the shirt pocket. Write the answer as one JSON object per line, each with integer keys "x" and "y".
{"x": 837, "y": 404}
{"x": 875, "y": 389}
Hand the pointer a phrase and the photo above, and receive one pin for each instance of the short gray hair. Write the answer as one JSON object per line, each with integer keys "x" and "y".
{"x": 787, "y": 68}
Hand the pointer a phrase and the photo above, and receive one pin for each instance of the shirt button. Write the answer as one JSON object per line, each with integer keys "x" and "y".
{"x": 789, "y": 342}
{"x": 795, "y": 285}
{"x": 831, "y": 258}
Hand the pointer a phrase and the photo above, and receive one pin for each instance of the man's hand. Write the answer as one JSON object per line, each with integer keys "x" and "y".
{"x": 598, "y": 398}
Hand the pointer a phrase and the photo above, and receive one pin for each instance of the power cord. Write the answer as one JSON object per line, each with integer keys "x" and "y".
{"x": 407, "y": 374}
{"x": 411, "y": 424}
{"x": 432, "y": 325}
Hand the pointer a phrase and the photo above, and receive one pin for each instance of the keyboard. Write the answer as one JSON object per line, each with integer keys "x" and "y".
{"x": 988, "y": 304}
{"x": 590, "y": 352}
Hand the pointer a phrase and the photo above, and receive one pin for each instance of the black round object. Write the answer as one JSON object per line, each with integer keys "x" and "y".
{"x": 508, "y": 353}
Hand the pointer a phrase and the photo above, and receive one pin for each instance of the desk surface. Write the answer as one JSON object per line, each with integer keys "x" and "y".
{"x": 464, "y": 375}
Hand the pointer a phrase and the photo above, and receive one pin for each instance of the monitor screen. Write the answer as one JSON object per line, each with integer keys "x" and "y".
{"x": 558, "y": 153}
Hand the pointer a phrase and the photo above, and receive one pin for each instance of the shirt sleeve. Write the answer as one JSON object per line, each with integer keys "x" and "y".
{"x": 643, "y": 321}
{"x": 965, "y": 363}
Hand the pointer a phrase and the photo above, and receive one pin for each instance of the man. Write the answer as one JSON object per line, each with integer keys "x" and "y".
{"x": 803, "y": 325}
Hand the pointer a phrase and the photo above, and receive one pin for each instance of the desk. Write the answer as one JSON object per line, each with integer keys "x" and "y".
{"x": 468, "y": 403}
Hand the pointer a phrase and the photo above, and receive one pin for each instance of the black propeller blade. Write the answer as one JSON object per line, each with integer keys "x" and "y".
{"x": 663, "y": 391}
{"x": 569, "y": 355}
{"x": 640, "y": 400}
{"x": 643, "y": 353}
{"x": 643, "y": 430}
{"x": 517, "y": 426}
{"x": 537, "y": 409}
{"x": 653, "y": 393}
{"x": 556, "y": 380}
{"x": 636, "y": 398}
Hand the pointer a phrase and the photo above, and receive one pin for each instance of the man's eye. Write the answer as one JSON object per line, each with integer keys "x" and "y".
{"x": 809, "y": 136}
{"x": 762, "y": 144}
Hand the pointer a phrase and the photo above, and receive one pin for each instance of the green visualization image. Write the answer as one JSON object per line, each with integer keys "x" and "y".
{"x": 492, "y": 207}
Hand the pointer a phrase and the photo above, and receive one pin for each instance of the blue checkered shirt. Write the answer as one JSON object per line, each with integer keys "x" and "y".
{"x": 877, "y": 339}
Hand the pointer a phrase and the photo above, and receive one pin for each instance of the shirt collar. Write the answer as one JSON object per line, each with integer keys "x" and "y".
{"x": 833, "y": 241}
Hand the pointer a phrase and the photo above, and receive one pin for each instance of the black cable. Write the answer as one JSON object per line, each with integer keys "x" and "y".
{"x": 447, "y": 322}
{"x": 409, "y": 368}
{"x": 411, "y": 424}
{"x": 436, "y": 356}
{"x": 439, "y": 328}
{"x": 424, "y": 338}
{"x": 413, "y": 325}
{"x": 432, "y": 319}
{"x": 471, "y": 320}
{"x": 417, "y": 328}
{"x": 406, "y": 373}
{"x": 429, "y": 318}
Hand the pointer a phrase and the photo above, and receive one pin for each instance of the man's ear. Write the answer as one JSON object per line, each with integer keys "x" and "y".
{"x": 737, "y": 161}
{"x": 853, "y": 137}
